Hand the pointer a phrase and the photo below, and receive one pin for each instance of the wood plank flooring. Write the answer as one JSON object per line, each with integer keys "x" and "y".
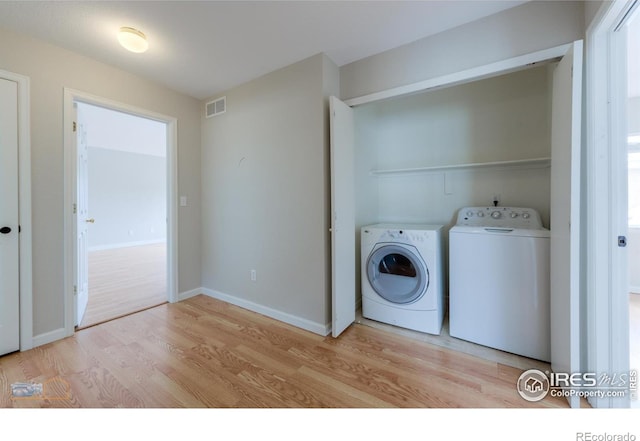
{"x": 125, "y": 280}
{"x": 206, "y": 353}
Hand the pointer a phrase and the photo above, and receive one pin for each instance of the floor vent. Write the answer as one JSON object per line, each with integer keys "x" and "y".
{"x": 216, "y": 107}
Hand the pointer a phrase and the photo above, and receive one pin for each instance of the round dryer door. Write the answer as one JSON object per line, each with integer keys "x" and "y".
{"x": 398, "y": 274}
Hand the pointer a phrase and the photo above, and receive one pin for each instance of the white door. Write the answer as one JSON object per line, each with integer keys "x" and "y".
{"x": 565, "y": 213}
{"x": 82, "y": 222}
{"x": 343, "y": 240}
{"x": 9, "y": 228}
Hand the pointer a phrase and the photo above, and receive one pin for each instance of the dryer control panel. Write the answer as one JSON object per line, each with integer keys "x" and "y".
{"x": 500, "y": 217}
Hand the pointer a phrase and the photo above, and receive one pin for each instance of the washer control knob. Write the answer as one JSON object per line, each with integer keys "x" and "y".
{"x": 514, "y": 215}
{"x": 469, "y": 213}
{"x": 480, "y": 214}
{"x": 496, "y": 215}
{"x": 526, "y": 215}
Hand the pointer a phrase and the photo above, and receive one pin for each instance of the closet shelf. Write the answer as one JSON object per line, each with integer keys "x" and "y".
{"x": 520, "y": 163}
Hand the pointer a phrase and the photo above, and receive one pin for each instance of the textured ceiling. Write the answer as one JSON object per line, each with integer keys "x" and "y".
{"x": 205, "y": 47}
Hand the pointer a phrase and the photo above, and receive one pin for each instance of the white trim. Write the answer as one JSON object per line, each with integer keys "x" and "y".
{"x": 188, "y": 294}
{"x": 465, "y": 76}
{"x": 48, "y": 337}
{"x": 114, "y": 246}
{"x": 634, "y": 289}
{"x": 299, "y": 322}
{"x": 605, "y": 334}
{"x": 24, "y": 197}
{"x": 619, "y": 208}
{"x": 70, "y": 96}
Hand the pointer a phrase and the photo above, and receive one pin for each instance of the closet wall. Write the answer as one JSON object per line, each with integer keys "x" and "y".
{"x": 504, "y": 118}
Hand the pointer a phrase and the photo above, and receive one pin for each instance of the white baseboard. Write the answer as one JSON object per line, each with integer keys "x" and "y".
{"x": 48, "y": 337}
{"x": 138, "y": 243}
{"x": 188, "y": 294}
{"x": 634, "y": 289}
{"x": 316, "y": 328}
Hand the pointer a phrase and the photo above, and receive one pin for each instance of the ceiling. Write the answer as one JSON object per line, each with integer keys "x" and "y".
{"x": 202, "y": 48}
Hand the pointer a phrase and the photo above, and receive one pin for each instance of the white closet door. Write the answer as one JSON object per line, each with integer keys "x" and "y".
{"x": 343, "y": 239}
{"x": 9, "y": 238}
{"x": 565, "y": 213}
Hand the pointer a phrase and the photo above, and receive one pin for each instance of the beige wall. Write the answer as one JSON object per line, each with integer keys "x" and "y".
{"x": 51, "y": 69}
{"x": 497, "y": 119}
{"x": 264, "y": 192}
{"x": 534, "y": 26}
{"x": 263, "y": 173}
{"x": 591, "y": 8}
{"x": 502, "y": 118}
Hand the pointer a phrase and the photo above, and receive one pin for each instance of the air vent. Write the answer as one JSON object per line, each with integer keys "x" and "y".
{"x": 216, "y": 107}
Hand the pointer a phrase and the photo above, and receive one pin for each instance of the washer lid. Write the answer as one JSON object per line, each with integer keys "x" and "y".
{"x": 397, "y": 273}
{"x": 501, "y": 231}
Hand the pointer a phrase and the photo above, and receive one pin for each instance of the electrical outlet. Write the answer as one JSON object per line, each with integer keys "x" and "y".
{"x": 253, "y": 275}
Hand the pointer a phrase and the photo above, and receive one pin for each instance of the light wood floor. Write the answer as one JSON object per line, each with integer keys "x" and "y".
{"x": 206, "y": 353}
{"x": 125, "y": 280}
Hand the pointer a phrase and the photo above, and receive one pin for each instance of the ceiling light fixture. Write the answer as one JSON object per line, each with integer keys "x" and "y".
{"x": 133, "y": 40}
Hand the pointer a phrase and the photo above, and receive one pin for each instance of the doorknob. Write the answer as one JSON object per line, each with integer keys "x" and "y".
{"x": 5, "y": 230}
{"x": 92, "y": 220}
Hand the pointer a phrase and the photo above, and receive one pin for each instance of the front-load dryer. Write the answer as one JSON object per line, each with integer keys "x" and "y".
{"x": 402, "y": 275}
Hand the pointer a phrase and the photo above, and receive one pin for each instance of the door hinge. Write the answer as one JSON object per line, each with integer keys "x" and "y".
{"x": 75, "y": 208}
{"x": 75, "y": 126}
{"x": 622, "y": 241}
{"x": 75, "y": 290}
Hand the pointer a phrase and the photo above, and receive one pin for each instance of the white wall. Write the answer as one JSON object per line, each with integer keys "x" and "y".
{"x": 533, "y": 26}
{"x": 634, "y": 259}
{"x": 51, "y": 69}
{"x": 499, "y": 119}
{"x": 264, "y": 192}
{"x": 633, "y": 256}
{"x": 127, "y": 198}
{"x": 127, "y": 185}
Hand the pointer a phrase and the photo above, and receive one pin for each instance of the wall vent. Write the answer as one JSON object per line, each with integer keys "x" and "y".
{"x": 216, "y": 107}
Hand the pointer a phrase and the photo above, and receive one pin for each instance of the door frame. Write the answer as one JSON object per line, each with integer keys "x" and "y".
{"x": 24, "y": 211}
{"x": 70, "y": 194}
{"x": 607, "y": 287}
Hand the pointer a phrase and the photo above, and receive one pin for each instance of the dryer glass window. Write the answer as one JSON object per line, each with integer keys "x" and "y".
{"x": 398, "y": 273}
{"x": 398, "y": 265}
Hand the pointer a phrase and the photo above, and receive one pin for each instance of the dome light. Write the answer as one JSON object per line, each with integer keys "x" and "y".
{"x": 133, "y": 40}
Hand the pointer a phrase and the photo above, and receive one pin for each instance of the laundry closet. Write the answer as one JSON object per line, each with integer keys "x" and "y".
{"x": 509, "y": 132}
{"x": 420, "y": 158}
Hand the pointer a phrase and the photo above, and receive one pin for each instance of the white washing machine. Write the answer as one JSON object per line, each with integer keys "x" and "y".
{"x": 402, "y": 275}
{"x": 499, "y": 280}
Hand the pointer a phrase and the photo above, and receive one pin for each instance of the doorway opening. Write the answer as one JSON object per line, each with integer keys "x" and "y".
{"x": 115, "y": 169}
{"x": 122, "y": 212}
